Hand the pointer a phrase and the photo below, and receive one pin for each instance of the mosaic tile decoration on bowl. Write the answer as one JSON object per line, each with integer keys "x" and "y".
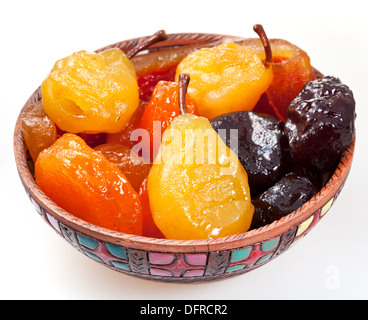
{"x": 184, "y": 267}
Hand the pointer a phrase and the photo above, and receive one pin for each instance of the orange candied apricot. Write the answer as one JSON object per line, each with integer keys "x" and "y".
{"x": 150, "y": 228}
{"x": 162, "y": 108}
{"x": 129, "y": 163}
{"x": 38, "y": 130}
{"x": 84, "y": 183}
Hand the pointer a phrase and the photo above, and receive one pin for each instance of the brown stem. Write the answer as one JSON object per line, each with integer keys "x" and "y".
{"x": 183, "y": 88}
{"x": 156, "y": 37}
{"x": 266, "y": 44}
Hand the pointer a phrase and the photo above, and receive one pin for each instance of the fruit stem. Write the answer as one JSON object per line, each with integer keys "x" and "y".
{"x": 183, "y": 88}
{"x": 258, "y": 28}
{"x": 156, "y": 37}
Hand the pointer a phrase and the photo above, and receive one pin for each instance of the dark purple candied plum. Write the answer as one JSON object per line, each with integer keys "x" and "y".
{"x": 262, "y": 146}
{"x": 320, "y": 124}
{"x": 285, "y": 196}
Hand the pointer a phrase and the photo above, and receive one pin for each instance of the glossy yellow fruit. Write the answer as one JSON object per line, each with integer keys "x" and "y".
{"x": 91, "y": 92}
{"x": 226, "y": 78}
{"x": 197, "y": 187}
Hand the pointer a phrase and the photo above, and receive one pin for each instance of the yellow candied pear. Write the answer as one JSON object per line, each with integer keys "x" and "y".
{"x": 94, "y": 92}
{"x": 228, "y": 77}
{"x": 197, "y": 187}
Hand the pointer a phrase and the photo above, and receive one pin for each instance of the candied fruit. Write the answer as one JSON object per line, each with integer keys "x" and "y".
{"x": 162, "y": 108}
{"x": 285, "y": 196}
{"x": 124, "y": 136}
{"x": 197, "y": 187}
{"x": 149, "y": 226}
{"x": 38, "y": 130}
{"x": 226, "y": 78}
{"x": 216, "y": 165}
{"x": 197, "y": 200}
{"x": 291, "y": 71}
{"x": 84, "y": 183}
{"x": 130, "y": 164}
{"x": 91, "y": 92}
{"x": 261, "y": 144}
{"x": 320, "y": 124}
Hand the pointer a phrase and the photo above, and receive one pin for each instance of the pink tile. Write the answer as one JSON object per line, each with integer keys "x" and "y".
{"x": 196, "y": 259}
{"x": 53, "y": 222}
{"x": 161, "y": 258}
{"x": 193, "y": 273}
{"x": 161, "y": 272}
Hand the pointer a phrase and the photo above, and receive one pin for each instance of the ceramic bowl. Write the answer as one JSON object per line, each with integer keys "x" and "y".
{"x": 176, "y": 260}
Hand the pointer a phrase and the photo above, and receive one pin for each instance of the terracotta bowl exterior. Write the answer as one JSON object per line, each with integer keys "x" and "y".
{"x": 176, "y": 260}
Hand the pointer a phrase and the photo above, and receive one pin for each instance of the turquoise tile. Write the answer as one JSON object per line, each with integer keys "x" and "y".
{"x": 235, "y": 268}
{"x": 270, "y": 244}
{"x": 240, "y": 255}
{"x": 116, "y": 251}
{"x": 87, "y": 242}
{"x": 93, "y": 256}
{"x": 264, "y": 258}
{"x": 120, "y": 265}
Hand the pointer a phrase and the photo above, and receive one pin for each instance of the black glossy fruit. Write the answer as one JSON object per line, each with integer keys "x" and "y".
{"x": 320, "y": 124}
{"x": 285, "y": 196}
{"x": 262, "y": 146}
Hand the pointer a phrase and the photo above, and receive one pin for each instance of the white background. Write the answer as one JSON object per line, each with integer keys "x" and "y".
{"x": 35, "y": 263}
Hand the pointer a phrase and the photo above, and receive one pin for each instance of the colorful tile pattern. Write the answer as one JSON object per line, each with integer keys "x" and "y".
{"x": 184, "y": 267}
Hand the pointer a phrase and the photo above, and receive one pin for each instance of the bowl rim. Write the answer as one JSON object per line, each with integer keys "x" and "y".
{"x": 168, "y": 245}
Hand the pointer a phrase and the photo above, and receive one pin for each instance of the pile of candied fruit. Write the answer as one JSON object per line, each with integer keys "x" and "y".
{"x": 193, "y": 142}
